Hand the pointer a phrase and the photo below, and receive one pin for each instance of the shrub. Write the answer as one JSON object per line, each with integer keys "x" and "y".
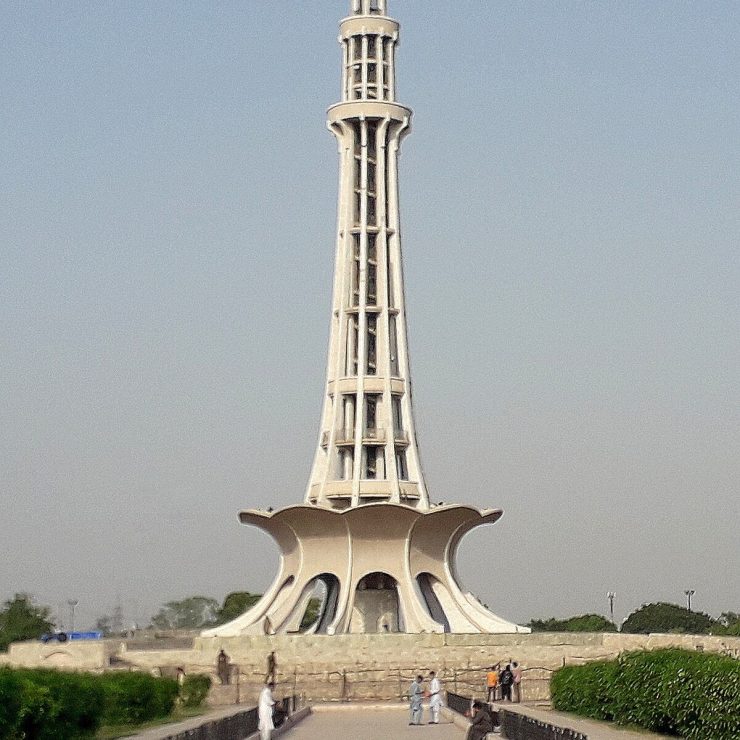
{"x": 49, "y": 705}
{"x": 585, "y": 689}
{"x": 194, "y": 689}
{"x": 133, "y": 698}
{"x": 10, "y": 703}
{"x": 678, "y": 692}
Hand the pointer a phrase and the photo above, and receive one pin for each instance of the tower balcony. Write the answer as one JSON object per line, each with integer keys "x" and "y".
{"x": 346, "y": 437}
{"x": 373, "y": 109}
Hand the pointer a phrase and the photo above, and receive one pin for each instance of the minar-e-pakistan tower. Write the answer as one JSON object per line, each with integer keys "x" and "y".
{"x": 384, "y": 556}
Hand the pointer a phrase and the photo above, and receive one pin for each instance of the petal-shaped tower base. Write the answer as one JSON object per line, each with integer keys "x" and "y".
{"x": 384, "y": 568}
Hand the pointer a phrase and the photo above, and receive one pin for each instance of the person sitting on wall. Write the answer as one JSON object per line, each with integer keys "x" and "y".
{"x": 482, "y": 723}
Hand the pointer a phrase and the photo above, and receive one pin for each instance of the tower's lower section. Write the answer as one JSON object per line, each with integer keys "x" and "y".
{"x": 379, "y": 568}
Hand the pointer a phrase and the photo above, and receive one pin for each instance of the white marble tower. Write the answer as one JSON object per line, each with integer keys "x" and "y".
{"x": 366, "y": 537}
{"x": 367, "y": 448}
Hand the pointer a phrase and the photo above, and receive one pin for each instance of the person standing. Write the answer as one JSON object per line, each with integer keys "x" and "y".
{"x": 482, "y": 723}
{"x": 435, "y": 697}
{"x": 506, "y": 679}
{"x": 264, "y": 711}
{"x": 223, "y": 668}
{"x": 416, "y": 696}
{"x": 516, "y": 670}
{"x": 271, "y": 676}
{"x": 492, "y": 682}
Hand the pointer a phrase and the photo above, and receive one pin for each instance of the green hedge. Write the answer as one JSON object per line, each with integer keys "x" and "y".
{"x": 133, "y": 698}
{"x": 49, "y": 705}
{"x": 194, "y": 689}
{"x": 674, "y": 692}
{"x": 54, "y": 705}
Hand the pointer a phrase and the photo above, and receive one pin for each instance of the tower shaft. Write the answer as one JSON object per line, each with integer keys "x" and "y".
{"x": 367, "y": 450}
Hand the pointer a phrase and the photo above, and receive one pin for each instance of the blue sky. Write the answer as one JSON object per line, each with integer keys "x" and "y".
{"x": 570, "y": 199}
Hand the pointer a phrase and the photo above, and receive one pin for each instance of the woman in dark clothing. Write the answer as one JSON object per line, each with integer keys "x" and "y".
{"x": 482, "y": 723}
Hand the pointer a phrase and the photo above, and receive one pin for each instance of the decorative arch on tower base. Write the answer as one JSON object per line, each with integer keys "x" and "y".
{"x": 379, "y": 568}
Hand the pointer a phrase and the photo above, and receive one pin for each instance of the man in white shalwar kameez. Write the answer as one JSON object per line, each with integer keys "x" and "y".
{"x": 266, "y": 703}
{"x": 435, "y": 697}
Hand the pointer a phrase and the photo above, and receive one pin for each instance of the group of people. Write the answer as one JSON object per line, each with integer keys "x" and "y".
{"x": 504, "y": 684}
{"x": 417, "y": 694}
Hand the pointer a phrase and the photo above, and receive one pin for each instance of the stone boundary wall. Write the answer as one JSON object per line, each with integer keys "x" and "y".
{"x": 363, "y": 667}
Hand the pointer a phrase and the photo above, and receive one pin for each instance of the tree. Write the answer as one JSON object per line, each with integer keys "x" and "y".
{"x": 21, "y": 619}
{"x": 664, "y": 617}
{"x": 103, "y": 624}
{"x": 311, "y": 615}
{"x": 235, "y": 604}
{"x": 730, "y": 624}
{"x": 582, "y": 623}
{"x": 193, "y": 612}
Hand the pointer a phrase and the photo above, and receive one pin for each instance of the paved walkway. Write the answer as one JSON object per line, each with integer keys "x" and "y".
{"x": 356, "y": 722}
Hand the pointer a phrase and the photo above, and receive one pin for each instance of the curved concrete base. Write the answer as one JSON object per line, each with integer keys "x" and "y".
{"x": 384, "y": 568}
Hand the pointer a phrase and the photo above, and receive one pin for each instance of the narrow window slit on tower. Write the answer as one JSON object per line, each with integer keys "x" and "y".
{"x": 372, "y": 270}
{"x": 393, "y": 345}
{"x": 355, "y": 272}
{"x": 403, "y": 473}
{"x": 372, "y": 325}
{"x": 397, "y": 414}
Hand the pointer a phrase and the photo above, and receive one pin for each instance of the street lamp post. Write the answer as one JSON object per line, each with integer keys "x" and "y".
{"x": 689, "y": 593}
{"x": 72, "y": 604}
{"x": 610, "y": 595}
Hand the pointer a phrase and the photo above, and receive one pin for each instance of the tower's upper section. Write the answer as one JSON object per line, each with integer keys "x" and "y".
{"x": 369, "y": 7}
{"x": 367, "y": 451}
{"x": 369, "y": 39}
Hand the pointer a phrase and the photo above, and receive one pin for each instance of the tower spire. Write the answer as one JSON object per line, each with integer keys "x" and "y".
{"x": 367, "y": 451}
{"x": 369, "y": 7}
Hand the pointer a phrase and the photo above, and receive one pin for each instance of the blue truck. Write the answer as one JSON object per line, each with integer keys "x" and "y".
{"x": 64, "y": 636}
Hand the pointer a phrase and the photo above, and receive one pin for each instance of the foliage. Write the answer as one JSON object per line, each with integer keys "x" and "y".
{"x": 235, "y": 604}
{"x": 10, "y": 703}
{"x": 585, "y": 689}
{"x": 43, "y": 704}
{"x": 582, "y": 623}
{"x": 21, "y": 619}
{"x": 104, "y": 624}
{"x": 729, "y": 624}
{"x": 133, "y": 698}
{"x": 193, "y": 612}
{"x": 663, "y": 617}
{"x": 194, "y": 689}
{"x": 678, "y": 692}
{"x": 49, "y": 705}
{"x": 311, "y": 614}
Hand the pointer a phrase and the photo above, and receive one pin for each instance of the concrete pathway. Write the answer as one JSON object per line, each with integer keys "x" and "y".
{"x": 376, "y": 722}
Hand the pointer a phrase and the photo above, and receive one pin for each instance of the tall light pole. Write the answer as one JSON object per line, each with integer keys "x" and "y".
{"x": 689, "y": 593}
{"x": 72, "y": 604}
{"x": 611, "y": 595}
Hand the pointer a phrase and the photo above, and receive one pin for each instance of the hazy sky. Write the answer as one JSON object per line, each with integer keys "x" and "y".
{"x": 571, "y": 211}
